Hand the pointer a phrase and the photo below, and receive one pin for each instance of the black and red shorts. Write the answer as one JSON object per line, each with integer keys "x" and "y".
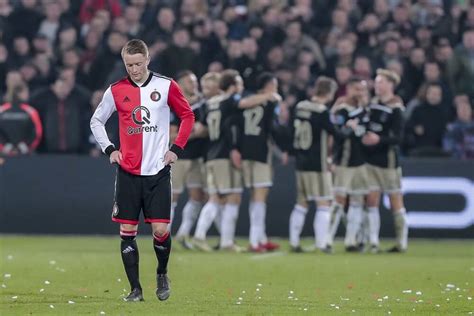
{"x": 134, "y": 193}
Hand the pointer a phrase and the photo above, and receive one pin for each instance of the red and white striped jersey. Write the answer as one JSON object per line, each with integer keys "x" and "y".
{"x": 144, "y": 121}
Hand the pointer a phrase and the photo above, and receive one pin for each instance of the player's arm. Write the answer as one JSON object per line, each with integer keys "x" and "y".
{"x": 337, "y": 127}
{"x": 396, "y": 134}
{"x": 103, "y": 112}
{"x": 180, "y": 106}
{"x": 257, "y": 99}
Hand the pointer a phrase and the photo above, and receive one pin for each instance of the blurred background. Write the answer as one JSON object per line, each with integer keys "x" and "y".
{"x": 58, "y": 57}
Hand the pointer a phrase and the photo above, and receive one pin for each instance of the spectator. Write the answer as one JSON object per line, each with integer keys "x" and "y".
{"x": 21, "y": 52}
{"x": 65, "y": 120}
{"x": 20, "y": 124}
{"x": 178, "y": 56}
{"x": 50, "y": 25}
{"x": 427, "y": 124}
{"x": 132, "y": 16}
{"x": 106, "y": 61}
{"x": 459, "y": 139}
{"x": 25, "y": 20}
{"x": 461, "y": 66}
{"x": 90, "y": 7}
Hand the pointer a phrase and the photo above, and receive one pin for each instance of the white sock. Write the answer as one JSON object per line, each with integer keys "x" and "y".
{"x": 401, "y": 228}
{"x": 297, "y": 218}
{"x": 254, "y": 230}
{"x": 173, "y": 207}
{"x": 337, "y": 211}
{"x": 354, "y": 221}
{"x": 218, "y": 219}
{"x": 257, "y": 233}
{"x": 321, "y": 226}
{"x": 208, "y": 213}
{"x": 374, "y": 224}
{"x": 229, "y": 221}
{"x": 190, "y": 213}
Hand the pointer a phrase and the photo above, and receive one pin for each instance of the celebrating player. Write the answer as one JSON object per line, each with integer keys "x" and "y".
{"x": 382, "y": 139}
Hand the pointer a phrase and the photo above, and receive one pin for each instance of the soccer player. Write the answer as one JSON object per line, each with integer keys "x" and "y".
{"x": 381, "y": 140}
{"x": 143, "y": 101}
{"x": 350, "y": 174}
{"x": 255, "y": 131}
{"x": 311, "y": 129}
{"x": 223, "y": 160}
{"x": 189, "y": 169}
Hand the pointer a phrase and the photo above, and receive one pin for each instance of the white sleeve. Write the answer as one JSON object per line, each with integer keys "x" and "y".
{"x": 101, "y": 115}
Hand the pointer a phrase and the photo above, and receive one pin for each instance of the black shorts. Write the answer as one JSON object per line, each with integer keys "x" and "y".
{"x": 134, "y": 193}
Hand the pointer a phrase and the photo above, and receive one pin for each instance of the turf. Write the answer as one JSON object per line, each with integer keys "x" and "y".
{"x": 84, "y": 276}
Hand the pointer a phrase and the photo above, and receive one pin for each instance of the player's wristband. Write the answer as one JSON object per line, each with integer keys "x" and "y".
{"x": 177, "y": 150}
{"x": 109, "y": 150}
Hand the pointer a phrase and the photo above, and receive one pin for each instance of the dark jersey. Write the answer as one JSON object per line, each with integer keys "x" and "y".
{"x": 221, "y": 117}
{"x": 256, "y": 126}
{"x": 196, "y": 147}
{"x": 310, "y": 130}
{"x": 349, "y": 152}
{"x": 386, "y": 120}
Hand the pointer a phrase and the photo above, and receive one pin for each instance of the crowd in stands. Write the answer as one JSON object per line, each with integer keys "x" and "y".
{"x": 58, "y": 56}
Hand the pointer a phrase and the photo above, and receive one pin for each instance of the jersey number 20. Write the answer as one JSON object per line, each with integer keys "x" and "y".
{"x": 303, "y": 135}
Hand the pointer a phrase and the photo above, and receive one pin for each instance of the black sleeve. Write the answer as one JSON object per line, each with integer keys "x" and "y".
{"x": 281, "y": 135}
{"x": 396, "y": 133}
{"x": 337, "y": 126}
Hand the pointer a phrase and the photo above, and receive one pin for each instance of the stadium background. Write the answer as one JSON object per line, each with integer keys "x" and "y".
{"x": 78, "y": 43}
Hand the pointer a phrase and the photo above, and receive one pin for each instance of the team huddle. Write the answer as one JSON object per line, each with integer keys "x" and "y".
{"x": 345, "y": 152}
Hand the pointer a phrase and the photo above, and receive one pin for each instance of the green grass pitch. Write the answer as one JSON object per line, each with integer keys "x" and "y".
{"x": 84, "y": 276}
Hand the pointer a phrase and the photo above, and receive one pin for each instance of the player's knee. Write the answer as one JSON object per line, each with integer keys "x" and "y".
{"x": 160, "y": 230}
{"x": 356, "y": 200}
{"x": 260, "y": 194}
{"x": 196, "y": 194}
{"x": 128, "y": 234}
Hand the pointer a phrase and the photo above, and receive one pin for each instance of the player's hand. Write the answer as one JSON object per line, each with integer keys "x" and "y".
{"x": 236, "y": 158}
{"x": 370, "y": 139}
{"x": 353, "y": 123}
{"x": 170, "y": 158}
{"x": 115, "y": 157}
{"x": 284, "y": 158}
{"x": 275, "y": 97}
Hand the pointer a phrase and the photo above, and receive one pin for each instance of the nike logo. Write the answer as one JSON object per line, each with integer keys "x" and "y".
{"x": 128, "y": 249}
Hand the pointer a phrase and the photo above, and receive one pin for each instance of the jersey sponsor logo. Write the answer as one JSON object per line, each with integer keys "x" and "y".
{"x": 142, "y": 122}
{"x": 155, "y": 96}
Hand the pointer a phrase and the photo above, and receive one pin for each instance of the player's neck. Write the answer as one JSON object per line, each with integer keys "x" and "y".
{"x": 144, "y": 78}
{"x": 386, "y": 97}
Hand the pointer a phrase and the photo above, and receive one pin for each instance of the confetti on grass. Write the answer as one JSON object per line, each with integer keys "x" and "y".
{"x": 47, "y": 282}
{"x": 7, "y": 275}
{"x": 407, "y": 291}
{"x": 51, "y": 306}
{"x": 71, "y": 302}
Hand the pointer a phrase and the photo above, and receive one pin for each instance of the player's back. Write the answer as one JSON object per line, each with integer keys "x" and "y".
{"x": 256, "y": 128}
{"x": 310, "y": 136}
{"x": 221, "y": 114}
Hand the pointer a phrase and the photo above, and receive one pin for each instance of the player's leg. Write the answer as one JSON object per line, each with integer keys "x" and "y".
{"x": 130, "y": 259}
{"x": 126, "y": 211}
{"x": 178, "y": 177}
{"x": 229, "y": 222}
{"x": 232, "y": 185}
{"x": 298, "y": 214}
{"x": 400, "y": 221}
{"x": 196, "y": 196}
{"x": 323, "y": 196}
{"x": 342, "y": 178}
{"x": 354, "y": 222}
{"x": 373, "y": 202}
{"x": 157, "y": 211}
{"x": 210, "y": 209}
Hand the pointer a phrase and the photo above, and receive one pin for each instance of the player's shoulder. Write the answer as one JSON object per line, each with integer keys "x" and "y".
{"x": 160, "y": 76}
{"x": 396, "y": 103}
{"x": 311, "y": 106}
{"x": 122, "y": 81}
{"x": 389, "y": 106}
{"x": 342, "y": 103}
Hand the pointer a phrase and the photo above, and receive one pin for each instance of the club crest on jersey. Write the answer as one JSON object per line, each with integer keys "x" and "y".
{"x": 155, "y": 96}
